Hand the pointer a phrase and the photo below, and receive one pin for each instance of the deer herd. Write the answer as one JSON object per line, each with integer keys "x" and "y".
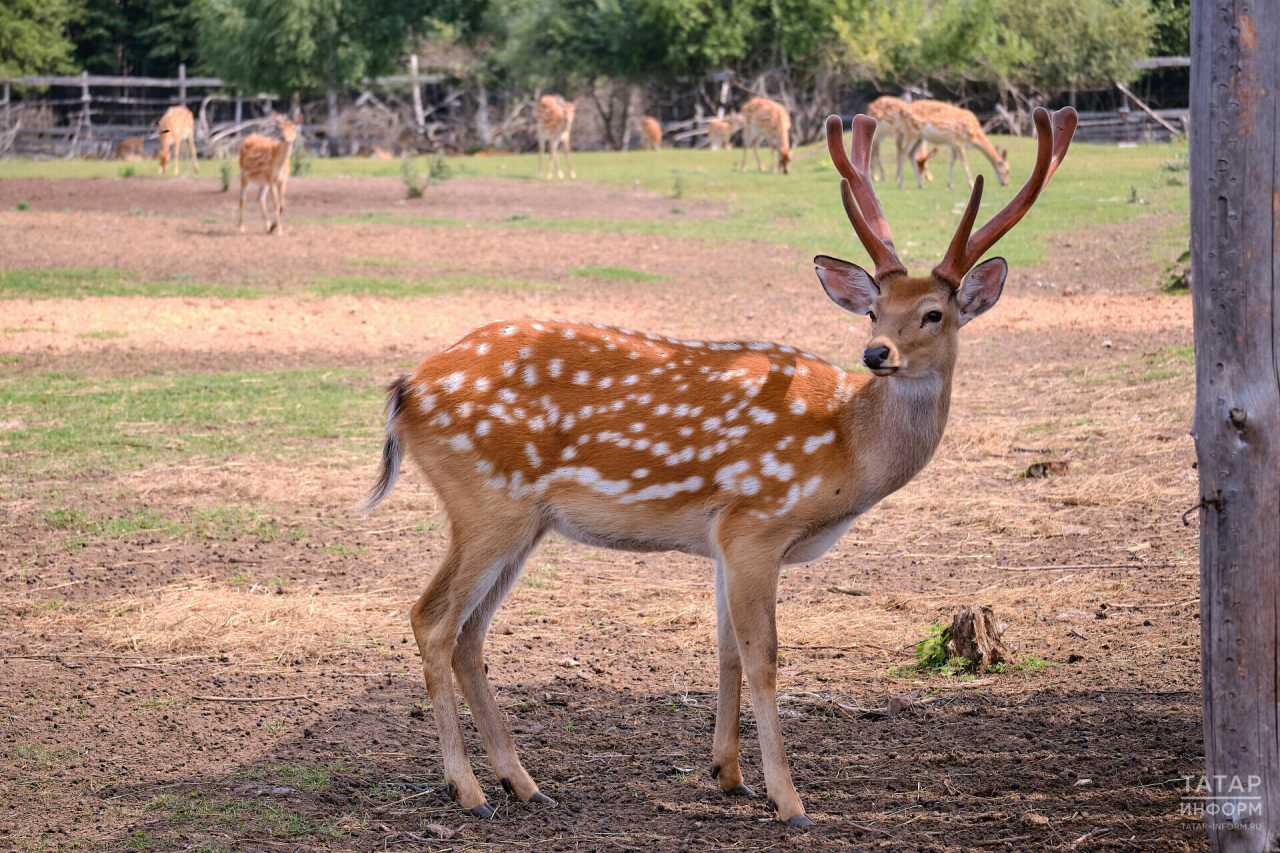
{"x": 752, "y": 454}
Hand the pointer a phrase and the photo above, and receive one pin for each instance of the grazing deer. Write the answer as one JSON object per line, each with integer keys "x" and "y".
{"x": 892, "y": 116}
{"x": 130, "y": 148}
{"x": 766, "y": 121}
{"x": 721, "y": 130}
{"x": 176, "y": 125}
{"x": 554, "y": 116}
{"x": 752, "y": 454}
{"x": 650, "y": 134}
{"x": 265, "y": 163}
{"x": 945, "y": 124}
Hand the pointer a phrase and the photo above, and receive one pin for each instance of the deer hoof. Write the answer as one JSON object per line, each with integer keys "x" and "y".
{"x": 741, "y": 791}
{"x": 541, "y": 799}
{"x": 800, "y": 821}
{"x": 483, "y": 812}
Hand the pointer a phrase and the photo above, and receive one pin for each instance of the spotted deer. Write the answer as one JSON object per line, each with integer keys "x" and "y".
{"x": 752, "y": 454}
{"x": 264, "y": 163}
{"x": 765, "y": 121}
{"x": 554, "y": 117}
{"x": 720, "y": 131}
{"x": 892, "y": 116}
{"x": 933, "y": 122}
{"x": 176, "y": 126}
{"x": 131, "y": 148}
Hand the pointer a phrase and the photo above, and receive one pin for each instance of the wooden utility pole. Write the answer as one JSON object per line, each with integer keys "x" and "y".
{"x": 1235, "y": 219}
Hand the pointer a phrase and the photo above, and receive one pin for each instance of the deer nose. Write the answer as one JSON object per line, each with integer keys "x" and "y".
{"x": 873, "y": 357}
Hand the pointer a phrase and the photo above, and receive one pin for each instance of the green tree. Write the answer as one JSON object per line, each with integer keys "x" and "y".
{"x": 1084, "y": 44}
{"x": 33, "y": 36}
{"x": 1172, "y": 31}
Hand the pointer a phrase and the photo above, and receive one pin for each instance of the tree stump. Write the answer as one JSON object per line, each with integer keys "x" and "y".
{"x": 975, "y": 636}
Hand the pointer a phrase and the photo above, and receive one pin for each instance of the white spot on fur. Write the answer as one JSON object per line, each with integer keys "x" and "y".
{"x": 569, "y": 453}
{"x": 749, "y": 485}
{"x": 581, "y": 377}
{"x": 813, "y": 442}
{"x": 606, "y": 382}
{"x": 428, "y": 403}
{"x": 461, "y": 441}
{"x": 483, "y": 427}
{"x": 640, "y": 473}
{"x": 530, "y": 375}
{"x": 464, "y": 409}
{"x": 664, "y": 491}
{"x": 506, "y": 395}
{"x": 771, "y": 467}
{"x": 453, "y": 381}
{"x": 482, "y": 349}
{"x": 508, "y": 330}
{"x": 481, "y": 385}
{"x": 508, "y": 368}
{"x": 761, "y": 416}
{"x": 555, "y": 367}
{"x": 532, "y": 452}
{"x": 797, "y": 406}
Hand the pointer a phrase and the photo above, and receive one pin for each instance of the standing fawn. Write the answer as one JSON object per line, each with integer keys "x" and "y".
{"x": 754, "y": 455}
{"x": 554, "y": 116}
{"x": 721, "y": 130}
{"x": 176, "y": 125}
{"x": 892, "y": 116}
{"x": 265, "y": 163}
{"x": 766, "y": 121}
{"x": 944, "y": 124}
{"x": 650, "y": 134}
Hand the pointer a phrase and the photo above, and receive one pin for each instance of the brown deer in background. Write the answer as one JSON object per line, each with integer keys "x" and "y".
{"x": 957, "y": 128}
{"x": 893, "y": 116}
{"x": 720, "y": 131}
{"x": 264, "y": 163}
{"x": 650, "y": 134}
{"x": 176, "y": 126}
{"x": 765, "y": 121}
{"x": 752, "y": 454}
{"x": 554, "y": 118}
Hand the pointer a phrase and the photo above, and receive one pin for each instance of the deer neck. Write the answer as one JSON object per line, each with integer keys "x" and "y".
{"x": 984, "y": 145}
{"x": 895, "y": 425}
{"x": 280, "y": 165}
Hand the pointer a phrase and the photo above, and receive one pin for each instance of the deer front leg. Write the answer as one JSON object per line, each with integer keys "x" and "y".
{"x": 751, "y": 575}
{"x": 899, "y": 144}
{"x": 724, "y": 752}
{"x": 195, "y": 161}
{"x": 951, "y": 170}
{"x": 244, "y": 189}
{"x": 567, "y": 161}
{"x": 964, "y": 159}
{"x": 277, "y": 192}
{"x": 267, "y": 224}
{"x": 541, "y": 144}
{"x": 756, "y": 149}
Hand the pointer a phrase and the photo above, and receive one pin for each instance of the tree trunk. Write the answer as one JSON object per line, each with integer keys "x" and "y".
{"x": 1235, "y": 77}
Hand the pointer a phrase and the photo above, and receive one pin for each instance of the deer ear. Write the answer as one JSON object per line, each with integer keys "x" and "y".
{"x": 849, "y": 285}
{"x": 981, "y": 288}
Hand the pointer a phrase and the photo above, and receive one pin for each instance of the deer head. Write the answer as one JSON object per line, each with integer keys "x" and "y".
{"x": 1002, "y": 166}
{"x": 288, "y": 129}
{"x": 915, "y": 320}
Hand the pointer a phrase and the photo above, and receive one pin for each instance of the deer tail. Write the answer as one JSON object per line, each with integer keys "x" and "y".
{"x": 392, "y": 450}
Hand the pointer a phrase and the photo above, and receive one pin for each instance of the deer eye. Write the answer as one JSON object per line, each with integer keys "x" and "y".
{"x": 933, "y": 317}
{"x": 872, "y": 315}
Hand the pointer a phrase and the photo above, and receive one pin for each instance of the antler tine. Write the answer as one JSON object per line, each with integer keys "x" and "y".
{"x": 953, "y": 267}
{"x": 860, "y": 202}
{"x": 1054, "y": 137}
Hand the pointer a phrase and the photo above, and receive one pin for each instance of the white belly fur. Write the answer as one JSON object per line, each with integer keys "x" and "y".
{"x": 816, "y": 545}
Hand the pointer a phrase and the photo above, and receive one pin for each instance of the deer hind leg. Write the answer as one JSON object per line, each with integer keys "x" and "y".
{"x": 541, "y": 145}
{"x": 469, "y": 670}
{"x": 195, "y": 161}
{"x": 277, "y": 192}
{"x": 724, "y": 752}
{"x": 164, "y": 151}
{"x": 756, "y": 148}
{"x": 915, "y": 164}
{"x": 745, "y": 147}
{"x": 567, "y": 161}
{"x": 951, "y": 170}
{"x": 477, "y": 571}
{"x": 751, "y": 580}
{"x": 244, "y": 190}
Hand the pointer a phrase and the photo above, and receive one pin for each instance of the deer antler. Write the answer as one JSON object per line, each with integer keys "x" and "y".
{"x": 859, "y": 198}
{"x": 1054, "y": 136}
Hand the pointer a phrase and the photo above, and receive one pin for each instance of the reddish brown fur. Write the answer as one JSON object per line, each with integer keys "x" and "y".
{"x": 176, "y": 126}
{"x": 767, "y": 122}
{"x": 130, "y": 148}
{"x": 721, "y": 130}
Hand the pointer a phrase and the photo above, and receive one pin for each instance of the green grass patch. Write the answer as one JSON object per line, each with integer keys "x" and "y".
{"x": 218, "y": 523}
{"x": 379, "y": 262}
{"x": 103, "y": 335}
{"x": 239, "y": 816}
{"x": 76, "y": 424}
{"x": 77, "y": 284}
{"x": 303, "y": 778}
{"x": 618, "y": 274}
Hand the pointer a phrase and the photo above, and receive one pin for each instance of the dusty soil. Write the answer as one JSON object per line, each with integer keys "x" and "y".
{"x": 113, "y": 645}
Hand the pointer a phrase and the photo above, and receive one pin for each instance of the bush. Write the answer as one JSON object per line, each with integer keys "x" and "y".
{"x": 224, "y": 172}
{"x": 127, "y": 171}
{"x": 300, "y": 165}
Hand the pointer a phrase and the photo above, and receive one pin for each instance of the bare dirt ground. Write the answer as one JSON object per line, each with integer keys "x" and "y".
{"x": 112, "y": 646}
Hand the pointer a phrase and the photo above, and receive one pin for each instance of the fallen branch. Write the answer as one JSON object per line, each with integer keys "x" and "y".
{"x": 848, "y": 590}
{"x": 1082, "y": 839}
{"x": 301, "y": 696}
{"x": 1140, "y": 605}
{"x": 992, "y": 842}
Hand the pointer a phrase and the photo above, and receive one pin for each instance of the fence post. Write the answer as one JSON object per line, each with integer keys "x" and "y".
{"x": 1235, "y": 75}
{"x": 182, "y": 83}
{"x": 333, "y": 123}
{"x": 418, "y": 116}
{"x": 239, "y": 107}
{"x": 8, "y": 116}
